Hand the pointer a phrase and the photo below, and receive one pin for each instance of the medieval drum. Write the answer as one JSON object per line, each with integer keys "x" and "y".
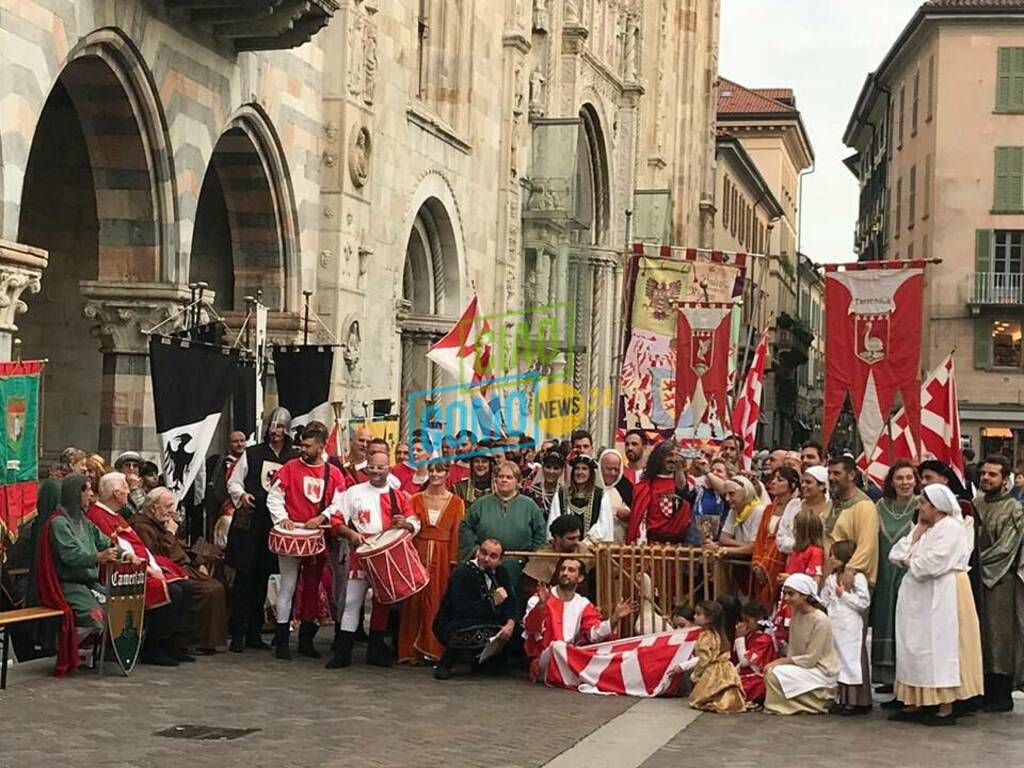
{"x": 392, "y": 566}
{"x": 298, "y": 542}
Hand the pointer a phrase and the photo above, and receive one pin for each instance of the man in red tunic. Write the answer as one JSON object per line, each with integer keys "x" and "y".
{"x": 302, "y": 489}
{"x": 661, "y": 500}
{"x": 564, "y": 615}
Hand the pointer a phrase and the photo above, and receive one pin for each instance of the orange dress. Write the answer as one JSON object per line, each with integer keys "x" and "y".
{"x": 438, "y": 547}
{"x": 767, "y": 557}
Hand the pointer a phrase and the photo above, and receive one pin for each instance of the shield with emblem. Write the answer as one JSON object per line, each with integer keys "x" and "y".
{"x": 126, "y": 604}
{"x": 702, "y": 351}
{"x": 312, "y": 488}
{"x": 871, "y": 333}
{"x": 267, "y": 473}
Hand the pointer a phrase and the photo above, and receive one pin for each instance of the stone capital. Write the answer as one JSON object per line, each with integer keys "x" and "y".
{"x": 125, "y": 312}
{"x": 21, "y": 269}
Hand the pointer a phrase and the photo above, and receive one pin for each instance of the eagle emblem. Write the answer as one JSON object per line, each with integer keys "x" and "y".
{"x": 660, "y": 295}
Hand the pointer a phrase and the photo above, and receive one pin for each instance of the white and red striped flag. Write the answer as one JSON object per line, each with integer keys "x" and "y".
{"x": 465, "y": 351}
{"x": 748, "y": 406}
{"x": 940, "y": 429}
{"x": 635, "y": 666}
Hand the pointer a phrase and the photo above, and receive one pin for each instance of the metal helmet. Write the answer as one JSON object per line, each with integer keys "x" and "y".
{"x": 278, "y": 416}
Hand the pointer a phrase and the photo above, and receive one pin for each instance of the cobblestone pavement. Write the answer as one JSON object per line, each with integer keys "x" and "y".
{"x": 309, "y": 716}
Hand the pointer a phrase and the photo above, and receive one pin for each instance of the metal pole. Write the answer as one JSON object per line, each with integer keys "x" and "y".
{"x": 305, "y": 322}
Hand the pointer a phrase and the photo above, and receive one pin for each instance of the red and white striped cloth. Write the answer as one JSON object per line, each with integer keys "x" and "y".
{"x": 635, "y": 666}
{"x": 748, "y": 406}
{"x": 465, "y": 351}
{"x": 940, "y": 429}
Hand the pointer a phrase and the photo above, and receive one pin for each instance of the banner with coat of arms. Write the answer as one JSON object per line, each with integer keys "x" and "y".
{"x": 19, "y": 470}
{"x": 702, "y": 366}
{"x": 658, "y": 280}
{"x": 873, "y": 344}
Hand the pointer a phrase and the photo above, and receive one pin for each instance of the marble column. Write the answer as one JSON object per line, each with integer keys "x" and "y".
{"x": 21, "y": 268}
{"x": 123, "y": 313}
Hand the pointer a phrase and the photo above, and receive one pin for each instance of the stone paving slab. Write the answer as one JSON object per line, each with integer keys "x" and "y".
{"x": 757, "y": 740}
{"x": 309, "y": 716}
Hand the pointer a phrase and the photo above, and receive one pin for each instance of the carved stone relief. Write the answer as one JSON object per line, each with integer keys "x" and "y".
{"x": 359, "y": 155}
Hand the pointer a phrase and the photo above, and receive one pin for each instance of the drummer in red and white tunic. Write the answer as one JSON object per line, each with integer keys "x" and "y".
{"x": 357, "y": 514}
{"x": 298, "y": 499}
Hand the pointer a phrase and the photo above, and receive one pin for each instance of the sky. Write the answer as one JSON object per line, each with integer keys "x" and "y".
{"x": 823, "y": 50}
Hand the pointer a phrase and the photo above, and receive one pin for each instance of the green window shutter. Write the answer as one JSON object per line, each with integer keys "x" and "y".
{"x": 1017, "y": 80}
{"x": 1004, "y": 78}
{"x": 983, "y": 250}
{"x": 1009, "y": 179}
{"x": 982, "y": 342}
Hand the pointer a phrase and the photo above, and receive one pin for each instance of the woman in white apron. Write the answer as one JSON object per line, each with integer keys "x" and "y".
{"x": 938, "y": 641}
{"x": 805, "y": 680}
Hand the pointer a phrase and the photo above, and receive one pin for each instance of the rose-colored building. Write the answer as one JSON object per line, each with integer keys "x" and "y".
{"x": 938, "y": 131}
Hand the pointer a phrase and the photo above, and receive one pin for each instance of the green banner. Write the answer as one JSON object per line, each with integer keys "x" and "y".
{"x": 19, "y": 399}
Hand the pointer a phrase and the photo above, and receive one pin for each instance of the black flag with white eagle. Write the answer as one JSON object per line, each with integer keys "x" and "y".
{"x": 190, "y": 386}
{"x": 303, "y": 376}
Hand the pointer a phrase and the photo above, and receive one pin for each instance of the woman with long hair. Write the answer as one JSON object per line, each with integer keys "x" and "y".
{"x": 896, "y": 511}
{"x": 582, "y": 497}
{"x": 440, "y": 513}
{"x": 767, "y": 562}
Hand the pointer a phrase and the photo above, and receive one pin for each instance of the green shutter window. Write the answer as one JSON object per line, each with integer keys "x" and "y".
{"x": 1009, "y": 180}
{"x": 982, "y": 342}
{"x": 1010, "y": 80}
{"x": 983, "y": 250}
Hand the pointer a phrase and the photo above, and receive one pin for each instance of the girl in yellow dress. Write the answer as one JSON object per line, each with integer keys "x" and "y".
{"x": 716, "y": 683}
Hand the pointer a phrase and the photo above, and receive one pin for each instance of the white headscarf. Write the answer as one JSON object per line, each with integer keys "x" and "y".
{"x": 600, "y": 475}
{"x": 819, "y": 473}
{"x": 943, "y": 499}
{"x": 802, "y": 583}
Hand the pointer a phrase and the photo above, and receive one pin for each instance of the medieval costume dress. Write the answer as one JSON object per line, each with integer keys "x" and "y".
{"x": 767, "y": 557}
{"x": 516, "y": 522}
{"x": 247, "y": 550}
{"x": 716, "y": 683}
{"x": 75, "y": 542}
{"x": 1000, "y": 535}
{"x": 437, "y": 544}
{"x": 895, "y": 520}
{"x": 208, "y": 595}
{"x": 806, "y": 683}
{"x": 938, "y": 643}
{"x": 594, "y": 511}
{"x": 753, "y": 653}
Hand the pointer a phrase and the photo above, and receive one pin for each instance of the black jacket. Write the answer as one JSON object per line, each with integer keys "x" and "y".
{"x": 468, "y": 603}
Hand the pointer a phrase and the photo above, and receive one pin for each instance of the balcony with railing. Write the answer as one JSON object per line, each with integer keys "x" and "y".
{"x": 996, "y": 289}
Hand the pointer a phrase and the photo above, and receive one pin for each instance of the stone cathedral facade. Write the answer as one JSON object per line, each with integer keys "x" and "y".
{"x": 392, "y": 159}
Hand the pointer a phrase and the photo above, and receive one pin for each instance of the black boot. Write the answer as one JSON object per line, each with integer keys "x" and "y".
{"x": 281, "y": 649}
{"x": 237, "y": 644}
{"x": 307, "y": 631}
{"x": 342, "y": 658}
{"x": 378, "y": 654}
{"x": 336, "y": 645}
{"x": 443, "y": 670}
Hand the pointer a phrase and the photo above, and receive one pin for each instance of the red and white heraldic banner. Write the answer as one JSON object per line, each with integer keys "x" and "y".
{"x": 873, "y": 344}
{"x": 702, "y": 364}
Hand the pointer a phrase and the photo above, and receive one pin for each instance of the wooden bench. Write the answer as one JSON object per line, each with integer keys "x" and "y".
{"x": 19, "y": 616}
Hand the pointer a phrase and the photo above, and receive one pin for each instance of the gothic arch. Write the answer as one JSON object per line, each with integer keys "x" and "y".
{"x": 246, "y": 236}
{"x": 593, "y": 175}
{"x": 434, "y": 206}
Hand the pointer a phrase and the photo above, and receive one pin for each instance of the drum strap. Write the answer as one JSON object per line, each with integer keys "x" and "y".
{"x": 394, "y": 503}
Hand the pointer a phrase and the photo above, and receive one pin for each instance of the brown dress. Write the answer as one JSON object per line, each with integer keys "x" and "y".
{"x": 208, "y": 593}
{"x": 438, "y": 548}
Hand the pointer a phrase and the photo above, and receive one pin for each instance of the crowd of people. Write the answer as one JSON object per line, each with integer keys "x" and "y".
{"x": 834, "y": 585}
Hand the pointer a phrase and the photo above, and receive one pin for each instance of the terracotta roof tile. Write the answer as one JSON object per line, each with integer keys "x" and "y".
{"x": 734, "y": 99}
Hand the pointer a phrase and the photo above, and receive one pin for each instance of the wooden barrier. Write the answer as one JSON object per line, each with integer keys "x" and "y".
{"x": 657, "y": 577}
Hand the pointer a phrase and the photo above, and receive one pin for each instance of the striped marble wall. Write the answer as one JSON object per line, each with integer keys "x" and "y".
{"x": 152, "y": 142}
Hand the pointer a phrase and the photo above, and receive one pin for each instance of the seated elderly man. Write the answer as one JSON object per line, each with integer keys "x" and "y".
{"x": 477, "y": 606}
{"x": 155, "y": 525}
